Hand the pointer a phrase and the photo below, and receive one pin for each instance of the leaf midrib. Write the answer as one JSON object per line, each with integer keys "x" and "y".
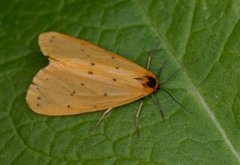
{"x": 194, "y": 91}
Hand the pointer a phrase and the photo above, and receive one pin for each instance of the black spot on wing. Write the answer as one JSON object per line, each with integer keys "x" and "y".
{"x": 73, "y": 93}
{"x": 90, "y": 72}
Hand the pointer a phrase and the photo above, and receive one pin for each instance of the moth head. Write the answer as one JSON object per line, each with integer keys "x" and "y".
{"x": 152, "y": 83}
{"x": 149, "y": 82}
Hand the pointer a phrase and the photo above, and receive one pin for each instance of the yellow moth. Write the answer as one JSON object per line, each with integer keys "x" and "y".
{"x": 82, "y": 77}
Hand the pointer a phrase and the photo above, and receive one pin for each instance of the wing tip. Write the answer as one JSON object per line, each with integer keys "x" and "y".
{"x": 45, "y": 41}
{"x": 45, "y": 36}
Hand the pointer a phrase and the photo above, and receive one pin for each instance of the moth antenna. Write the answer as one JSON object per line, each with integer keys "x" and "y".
{"x": 169, "y": 94}
{"x": 160, "y": 70}
{"x": 155, "y": 100}
{"x": 172, "y": 75}
{"x": 181, "y": 68}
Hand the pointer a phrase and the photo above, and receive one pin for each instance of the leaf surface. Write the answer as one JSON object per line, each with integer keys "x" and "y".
{"x": 203, "y": 36}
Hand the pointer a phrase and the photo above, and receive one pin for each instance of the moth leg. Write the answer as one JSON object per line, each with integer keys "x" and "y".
{"x": 103, "y": 116}
{"x": 149, "y": 60}
{"x": 137, "y": 116}
{"x": 150, "y": 56}
{"x": 155, "y": 100}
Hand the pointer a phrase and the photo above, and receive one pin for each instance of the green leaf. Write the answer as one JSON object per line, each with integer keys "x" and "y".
{"x": 203, "y": 36}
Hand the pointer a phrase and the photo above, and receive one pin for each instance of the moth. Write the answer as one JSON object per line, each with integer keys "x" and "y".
{"x": 82, "y": 77}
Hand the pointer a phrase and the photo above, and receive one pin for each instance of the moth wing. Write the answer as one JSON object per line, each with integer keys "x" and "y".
{"x": 61, "y": 46}
{"x": 82, "y": 77}
{"x": 59, "y": 89}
